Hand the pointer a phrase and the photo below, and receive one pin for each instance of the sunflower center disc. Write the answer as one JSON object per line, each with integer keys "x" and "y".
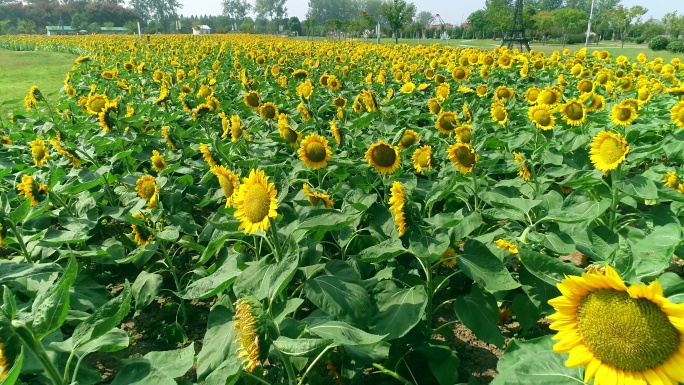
{"x": 611, "y": 151}
{"x": 408, "y": 140}
{"x": 448, "y": 122}
{"x": 465, "y": 136}
{"x": 97, "y": 105}
{"x": 315, "y": 151}
{"x": 542, "y": 117}
{"x": 290, "y": 135}
{"x": 253, "y": 100}
{"x": 680, "y": 115}
{"x": 465, "y": 157}
{"x": 257, "y": 203}
{"x": 630, "y": 334}
{"x": 148, "y": 189}
{"x": 269, "y": 112}
{"x": 459, "y": 74}
{"x": 38, "y": 153}
{"x": 575, "y": 111}
{"x": 384, "y": 156}
{"x": 499, "y": 114}
{"x": 585, "y": 86}
{"x": 548, "y": 98}
{"x": 624, "y": 114}
{"x": 504, "y": 94}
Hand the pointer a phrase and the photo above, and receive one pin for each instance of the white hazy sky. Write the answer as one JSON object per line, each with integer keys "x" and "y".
{"x": 452, "y": 11}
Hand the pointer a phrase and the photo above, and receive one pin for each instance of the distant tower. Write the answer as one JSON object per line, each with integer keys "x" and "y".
{"x": 515, "y": 36}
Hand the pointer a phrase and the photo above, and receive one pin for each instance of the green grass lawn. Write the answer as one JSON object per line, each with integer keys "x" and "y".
{"x": 614, "y": 47}
{"x": 23, "y": 69}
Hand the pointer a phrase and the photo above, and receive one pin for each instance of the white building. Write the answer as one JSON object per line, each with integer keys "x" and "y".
{"x": 203, "y": 30}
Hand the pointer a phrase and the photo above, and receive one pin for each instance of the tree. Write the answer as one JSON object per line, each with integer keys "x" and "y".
{"x": 236, "y": 10}
{"x": 309, "y": 23}
{"x": 499, "y": 15}
{"x": 324, "y": 10}
{"x": 398, "y": 13}
{"x": 478, "y": 22}
{"x": 569, "y": 20}
{"x": 622, "y": 18}
{"x": 26, "y": 26}
{"x": 674, "y": 24}
{"x": 160, "y": 11}
{"x": 543, "y": 24}
{"x": 294, "y": 25}
{"x": 269, "y": 9}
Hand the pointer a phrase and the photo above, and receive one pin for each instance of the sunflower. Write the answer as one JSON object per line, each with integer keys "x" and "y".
{"x": 315, "y": 197}
{"x": 247, "y": 324}
{"x": 96, "y": 103}
{"x": 157, "y": 76}
{"x": 206, "y": 153}
{"x": 505, "y": 245}
{"x": 288, "y": 133}
{"x": 549, "y": 96}
{"x": 236, "y": 129}
{"x": 504, "y": 315}
{"x": 147, "y": 189}
{"x": 32, "y": 190}
{"x": 269, "y": 111}
{"x": 300, "y": 74}
{"x": 503, "y": 93}
{"x": 339, "y": 102}
{"x": 252, "y": 100}
{"x": 4, "y": 367}
{"x": 598, "y": 102}
{"x": 623, "y": 114}
{"x": 315, "y": 152}
{"x": 542, "y": 116}
{"x": 335, "y": 131}
{"x": 141, "y": 234}
{"x": 448, "y": 257}
{"x": 408, "y": 88}
{"x": 621, "y": 335}
{"x": 422, "y": 159}
{"x": 255, "y": 202}
{"x": 384, "y": 157}
{"x": 573, "y": 112}
{"x": 499, "y": 113}
{"x": 106, "y": 121}
{"x": 523, "y": 171}
{"x": 397, "y": 202}
{"x": 334, "y": 83}
{"x": 158, "y": 162}
{"x": 6, "y": 140}
{"x": 67, "y": 153}
{"x": 585, "y": 86}
{"x": 671, "y": 180}
{"x": 323, "y": 80}
{"x": 462, "y": 156}
{"x": 305, "y": 89}
{"x": 39, "y": 152}
{"x": 447, "y": 122}
{"x": 443, "y": 91}
{"x": 467, "y": 115}
{"x": 228, "y": 181}
{"x": 460, "y": 74}
{"x": 608, "y": 150}
{"x": 505, "y": 61}
{"x": 434, "y": 106}
{"x": 409, "y": 138}
{"x": 464, "y": 134}
{"x": 482, "y": 90}
{"x": 304, "y": 112}
{"x": 35, "y": 94}
{"x": 677, "y": 114}
{"x": 167, "y": 137}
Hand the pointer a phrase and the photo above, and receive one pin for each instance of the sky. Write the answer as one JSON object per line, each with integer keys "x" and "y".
{"x": 452, "y": 11}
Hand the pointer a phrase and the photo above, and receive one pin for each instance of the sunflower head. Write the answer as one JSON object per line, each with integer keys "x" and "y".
{"x": 290, "y": 135}
{"x": 147, "y": 189}
{"x": 255, "y": 202}
{"x": 32, "y": 190}
{"x": 623, "y": 114}
{"x": 397, "y": 204}
{"x": 228, "y": 181}
{"x": 499, "y": 113}
{"x": 574, "y": 112}
{"x": 671, "y": 180}
{"x": 434, "y": 106}
{"x": 677, "y": 114}
{"x": 158, "y": 162}
{"x": 384, "y": 157}
{"x": 408, "y": 88}
{"x": 447, "y": 122}
{"x": 96, "y": 103}
{"x": 448, "y": 257}
{"x": 615, "y": 331}
{"x": 506, "y": 245}
{"x": 409, "y": 138}
{"x": 252, "y": 99}
{"x": 608, "y": 151}
{"x": 542, "y": 116}
{"x": 339, "y": 102}
{"x": 142, "y": 234}
{"x": 315, "y": 197}
{"x": 269, "y": 111}
{"x": 315, "y": 152}
{"x": 422, "y": 159}
{"x": 335, "y": 131}
{"x": 249, "y": 326}
{"x": 462, "y": 156}
{"x": 503, "y": 93}
{"x": 549, "y": 96}
{"x": 39, "y": 152}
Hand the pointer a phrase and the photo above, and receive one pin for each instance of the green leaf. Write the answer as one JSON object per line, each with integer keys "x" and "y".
{"x": 534, "y": 362}
{"x": 442, "y": 361}
{"x": 145, "y": 289}
{"x": 103, "y": 319}
{"x": 174, "y": 363}
{"x": 558, "y": 242}
{"x": 466, "y": 226}
{"x": 265, "y": 280}
{"x": 583, "y": 212}
{"x": 10, "y": 271}
{"x": 382, "y": 251}
{"x": 301, "y": 347}
{"x": 399, "y": 312}
{"x": 344, "y": 334}
{"x": 326, "y": 220}
{"x": 478, "y": 312}
{"x": 58, "y": 237}
{"x": 638, "y": 186}
{"x": 483, "y": 267}
{"x": 213, "y": 284}
{"x": 345, "y": 300}
{"x": 51, "y": 306}
{"x": 219, "y": 346}
{"x": 547, "y": 268}
{"x": 112, "y": 341}
{"x": 18, "y": 214}
{"x": 653, "y": 254}
{"x": 141, "y": 373}
{"x": 525, "y": 311}
{"x": 13, "y": 372}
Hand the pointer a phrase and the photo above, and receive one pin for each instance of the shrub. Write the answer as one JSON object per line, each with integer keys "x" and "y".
{"x": 658, "y": 43}
{"x": 676, "y": 46}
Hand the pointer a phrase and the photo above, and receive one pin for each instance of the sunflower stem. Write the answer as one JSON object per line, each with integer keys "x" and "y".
{"x": 392, "y": 374}
{"x": 475, "y": 188}
{"x": 276, "y": 241}
{"x": 20, "y": 240}
{"x": 615, "y": 178}
{"x": 27, "y": 337}
{"x": 301, "y": 380}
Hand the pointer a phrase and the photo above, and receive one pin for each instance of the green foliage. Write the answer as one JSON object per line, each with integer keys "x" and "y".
{"x": 675, "y": 46}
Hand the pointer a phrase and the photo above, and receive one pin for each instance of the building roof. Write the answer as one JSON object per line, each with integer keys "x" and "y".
{"x": 204, "y": 27}
{"x": 59, "y": 28}
{"x": 113, "y": 29}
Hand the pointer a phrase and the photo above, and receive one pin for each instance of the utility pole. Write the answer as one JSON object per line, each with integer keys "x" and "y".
{"x": 591, "y": 14}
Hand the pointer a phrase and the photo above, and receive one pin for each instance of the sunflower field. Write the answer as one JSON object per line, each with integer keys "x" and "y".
{"x": 257, "y": 210}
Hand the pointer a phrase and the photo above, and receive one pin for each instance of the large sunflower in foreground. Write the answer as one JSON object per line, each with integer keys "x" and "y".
{"x": 255, "y": 202}
{"x": 384, "y": 157}
{"x": 252, "y": 100}
{"x": 397, "y": 202}
{"x": 677, "y": 114}
{"x": 315, "y": 152}
{"x": 620, "y": 335}
{"x": 462, "y": 156}
{"x": 608, "y": 150}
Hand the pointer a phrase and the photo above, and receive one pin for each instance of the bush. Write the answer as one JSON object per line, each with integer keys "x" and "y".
{"x": 576, "y": 38}
{"x": 676, "y": 46}
{"x": 658, "y": 43}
